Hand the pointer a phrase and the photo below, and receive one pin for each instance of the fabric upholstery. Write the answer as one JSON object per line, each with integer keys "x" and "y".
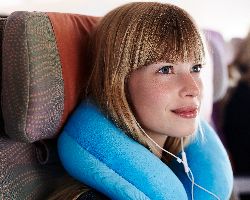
{"x": 32, "y": 90}
{"x": 216, "y": 46}
{"x": 72, "y": 42}
{"x": 2, "y": 24}
{"x": 22, "y": 176}
{"x": 43, "y": 72}
{"x": 37, "y": 81}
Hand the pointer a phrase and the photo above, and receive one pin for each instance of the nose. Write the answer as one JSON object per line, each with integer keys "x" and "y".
{"x": 189, "y": 86}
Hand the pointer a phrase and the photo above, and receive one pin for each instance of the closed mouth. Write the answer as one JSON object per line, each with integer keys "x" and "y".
{"x": 186, "y": 112}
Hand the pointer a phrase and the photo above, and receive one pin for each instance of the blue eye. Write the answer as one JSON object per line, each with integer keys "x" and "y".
{"x": 196, "y": 68}
{"x": 166, "y": 70}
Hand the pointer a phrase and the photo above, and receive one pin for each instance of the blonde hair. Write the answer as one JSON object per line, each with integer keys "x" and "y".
{"x": 129, "y": 37}
{"x": 71, "y": 189}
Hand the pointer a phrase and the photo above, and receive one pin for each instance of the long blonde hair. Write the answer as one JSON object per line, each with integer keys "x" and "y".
{"x": 132, "y": 36}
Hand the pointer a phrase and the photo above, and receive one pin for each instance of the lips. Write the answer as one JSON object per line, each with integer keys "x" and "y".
{"x": 186, "y": 112}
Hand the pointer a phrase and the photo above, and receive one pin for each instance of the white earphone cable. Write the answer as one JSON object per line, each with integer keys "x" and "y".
{"x": 184, "y": 162}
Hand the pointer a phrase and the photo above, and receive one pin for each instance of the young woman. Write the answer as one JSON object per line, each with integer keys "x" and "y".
{"x": 142, "y": 109}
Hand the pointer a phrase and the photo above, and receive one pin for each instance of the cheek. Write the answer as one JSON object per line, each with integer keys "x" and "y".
{"x": 150, "y": 101}
{"x": 148, "y": 96}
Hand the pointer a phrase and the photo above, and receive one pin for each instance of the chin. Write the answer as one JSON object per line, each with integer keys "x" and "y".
{"x": 187, "y": 131}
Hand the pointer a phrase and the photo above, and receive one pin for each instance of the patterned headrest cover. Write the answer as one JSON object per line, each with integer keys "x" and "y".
{"x": 23, "y": 175}
{"x": 44, "y": 71}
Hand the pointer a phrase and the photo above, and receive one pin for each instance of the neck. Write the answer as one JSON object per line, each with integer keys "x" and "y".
{"x": 160, "y": 139}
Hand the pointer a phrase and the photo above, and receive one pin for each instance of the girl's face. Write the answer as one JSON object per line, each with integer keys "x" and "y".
{"x": 166, "y": 98}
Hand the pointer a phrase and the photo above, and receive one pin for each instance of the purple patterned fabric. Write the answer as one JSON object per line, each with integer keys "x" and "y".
{"x": 33, "y": 88}
{"x": 22, "y": 176}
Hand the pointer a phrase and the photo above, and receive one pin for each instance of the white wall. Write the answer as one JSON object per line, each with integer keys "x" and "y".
{"x": 231, "y": 18}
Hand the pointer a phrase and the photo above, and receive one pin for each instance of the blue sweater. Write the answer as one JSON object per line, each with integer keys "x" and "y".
{"x": 94, "y": 151}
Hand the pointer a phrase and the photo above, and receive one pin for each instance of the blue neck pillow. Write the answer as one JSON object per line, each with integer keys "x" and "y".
{"x": 94, "y": 151}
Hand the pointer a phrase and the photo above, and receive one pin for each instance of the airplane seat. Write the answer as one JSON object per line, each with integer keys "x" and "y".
{"x": 44, "y": 74}
{"x": 219, "y": 57}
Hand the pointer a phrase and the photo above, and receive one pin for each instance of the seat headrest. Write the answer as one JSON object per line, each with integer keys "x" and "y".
{"x": 217, "y": 50}
{"x": 44, "y": 71}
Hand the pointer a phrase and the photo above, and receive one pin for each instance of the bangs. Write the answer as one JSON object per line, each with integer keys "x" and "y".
{"x": 167, "y": 34}
{"x": 180, "y": 42}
